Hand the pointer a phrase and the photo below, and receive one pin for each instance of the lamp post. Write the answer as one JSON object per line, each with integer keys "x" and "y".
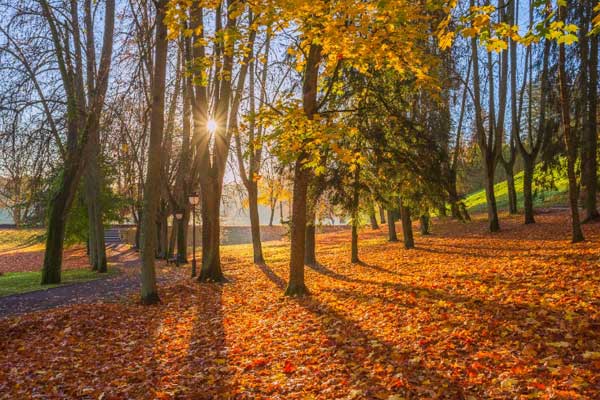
{"x": 194, "y": 199}
{"x": 178, "y": 218}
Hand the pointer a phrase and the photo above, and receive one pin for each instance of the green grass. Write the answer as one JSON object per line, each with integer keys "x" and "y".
{"x": 22, "y": 282}
{"x": 476, "y": 202}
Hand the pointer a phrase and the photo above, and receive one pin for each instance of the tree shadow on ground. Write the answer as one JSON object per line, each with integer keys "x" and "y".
{"x": 373, "y": 367}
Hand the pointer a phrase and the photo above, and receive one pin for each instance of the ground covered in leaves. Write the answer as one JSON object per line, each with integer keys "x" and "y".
{"x": 22, "y": 250}
{"x": 466, "y": 315}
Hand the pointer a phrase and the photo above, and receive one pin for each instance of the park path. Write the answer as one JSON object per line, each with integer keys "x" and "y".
{"x": 112, "y": 288}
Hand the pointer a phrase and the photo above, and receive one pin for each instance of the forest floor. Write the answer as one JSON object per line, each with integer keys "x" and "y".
{"x": 465, "y": 315}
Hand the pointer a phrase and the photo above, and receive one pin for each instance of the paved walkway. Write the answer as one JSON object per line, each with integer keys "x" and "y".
{"x": 113, "y": 288}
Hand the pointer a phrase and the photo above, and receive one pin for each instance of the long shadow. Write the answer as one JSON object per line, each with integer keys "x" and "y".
{"x": 373, "y": 366}
{"x": 320, "y": 268}
{"x": 193, "y": 359}
{"x": 273, "y": 277}
{"x": 379, "y": 268}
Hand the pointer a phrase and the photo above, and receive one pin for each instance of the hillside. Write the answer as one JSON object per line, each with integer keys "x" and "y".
{"x": 542, "y": 196}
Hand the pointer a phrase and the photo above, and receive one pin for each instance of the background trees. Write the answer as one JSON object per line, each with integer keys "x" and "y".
{"x": 340, "y": 105}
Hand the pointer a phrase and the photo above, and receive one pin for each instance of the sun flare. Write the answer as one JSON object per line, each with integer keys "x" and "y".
{"x": 211, "y": 125}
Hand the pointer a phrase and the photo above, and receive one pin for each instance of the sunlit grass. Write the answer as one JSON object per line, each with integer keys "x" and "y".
{"x": 476, "y": 202}
{"x": 12, "y": 240}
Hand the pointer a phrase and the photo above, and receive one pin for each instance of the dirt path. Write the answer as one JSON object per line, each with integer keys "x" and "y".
{"x": 111, "y": 289}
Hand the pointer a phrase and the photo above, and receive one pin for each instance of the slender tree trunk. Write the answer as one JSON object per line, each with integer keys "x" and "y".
{"x": 512, "y": 191}
{"x": 528, "y": 169}
{"x": 182, "y": 236}
{"x": 407, "y": 232}
{"x": 354, "y": 258}
{"x": 172, "y": 238}
{"x": 255, "y": 222}
{"x": 424, "y": 224}
{"x": 590, "y": 152}
{"x": 570, "y": 138}
{"x": 372, "y": 217}
{"x": 381, "y": 215}
{"x": 272, "y": 215}
{"x": 149, "y": 292}
{"x": 392, "y": 237}
{"x": 356, "y": 215}
{"x": 490, "y": 196}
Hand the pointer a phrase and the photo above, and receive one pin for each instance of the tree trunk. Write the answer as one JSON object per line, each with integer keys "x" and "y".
{"x": 149, "y": 292}
{"x": 590, "y": 132}
{"x": 490, "y": 196}
{"x": 409, "y": 242}
{"x": 296, "y": 286}
{"x": 255, "y": 222}
{"x": 59, "y": 207}
{"x": 528, "y": 170}
{"x": 182, "y": 236}
{"x": 172, "y": 238}
{"x": 372, "y": 217}
{"x": 570, "y": 138}
{"x": 211, "y": 232}
{"x": 273, "y": 207}
{"x": 392, "y": 237}
{"x": 381, "y": 215}
{"x": 310, "y": 256}
{"x": 424, "y": 224}
{"x": 354, "y": 258}
{"x": 512, "y": 192}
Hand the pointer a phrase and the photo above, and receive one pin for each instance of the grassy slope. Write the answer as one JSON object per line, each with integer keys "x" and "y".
{"x": 542, "y": 197}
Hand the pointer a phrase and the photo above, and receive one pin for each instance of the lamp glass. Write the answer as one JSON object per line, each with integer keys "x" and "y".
{"x": 194, "y": 199}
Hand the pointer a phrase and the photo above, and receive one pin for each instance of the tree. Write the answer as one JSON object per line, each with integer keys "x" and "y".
{"x": 83, "y": 114}
{"x": 152, "y": 184}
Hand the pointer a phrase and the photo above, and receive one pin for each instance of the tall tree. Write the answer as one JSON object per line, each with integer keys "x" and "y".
{"x": 152, "y": 186}
{"x": 83, "y": 114}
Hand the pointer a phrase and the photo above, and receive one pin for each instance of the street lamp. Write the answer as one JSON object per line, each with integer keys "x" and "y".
{"x": 178, "y": 217}
{"x": 194, "y": 199}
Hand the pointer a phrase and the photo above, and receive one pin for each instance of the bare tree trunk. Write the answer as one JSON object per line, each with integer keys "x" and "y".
{"x": 590, "y": 130}
{"x": 570, "y": 138}
{"x": 149, "y": 292}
